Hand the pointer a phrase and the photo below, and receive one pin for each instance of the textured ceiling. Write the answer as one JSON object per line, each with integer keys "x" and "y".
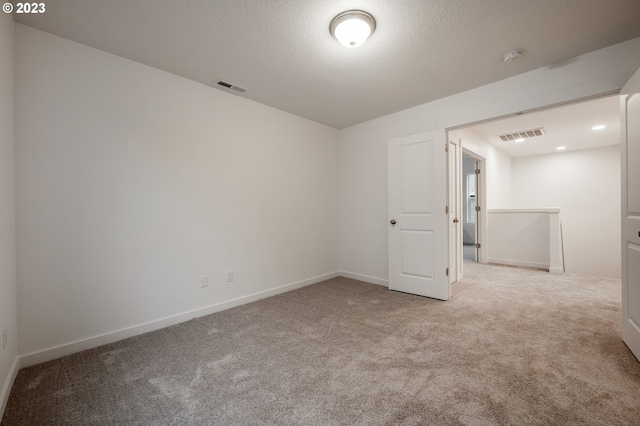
{"x": 282, "y": 52}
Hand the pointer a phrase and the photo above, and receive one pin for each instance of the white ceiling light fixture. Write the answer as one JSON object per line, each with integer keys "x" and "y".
{"x": 598, "y": 127}
{"x": 352, "y": 28}
{"x": 561, "y": 148}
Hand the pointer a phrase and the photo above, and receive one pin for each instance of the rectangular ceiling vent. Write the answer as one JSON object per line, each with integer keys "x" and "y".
{"x": 231, "y": 86}
{"x": 524, "y": 134}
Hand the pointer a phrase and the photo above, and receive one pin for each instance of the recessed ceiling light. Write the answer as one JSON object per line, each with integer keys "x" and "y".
{"x": 519, "y": 140}
{"x": 560, "y": 148}
{"x": 598, "y": 127}
{"x": 352, "y": 28}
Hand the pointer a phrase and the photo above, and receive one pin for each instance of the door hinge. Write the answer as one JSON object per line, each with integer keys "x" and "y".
{"x": 447, "y": 272}
{"x": 446, "y": 209}
{"x": 478, "y": 245}
{"x": 446, "y": 147}
{"x": 477, "y": 208}
{"x": 477, "y": 171}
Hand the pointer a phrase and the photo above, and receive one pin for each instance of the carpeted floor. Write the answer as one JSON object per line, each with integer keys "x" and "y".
{"x": 513, "y": 347}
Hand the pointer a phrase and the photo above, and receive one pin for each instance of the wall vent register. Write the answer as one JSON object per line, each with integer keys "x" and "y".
{"x": 521, "y": 135}
{"x": 230, "y": 86}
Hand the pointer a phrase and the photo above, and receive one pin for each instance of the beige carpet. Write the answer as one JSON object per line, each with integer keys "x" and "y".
{"x": 513, "y": 347}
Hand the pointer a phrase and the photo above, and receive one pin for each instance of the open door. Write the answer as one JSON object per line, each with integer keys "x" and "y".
{"x": 417, "y": 218}
{"x": 630, "y": 130}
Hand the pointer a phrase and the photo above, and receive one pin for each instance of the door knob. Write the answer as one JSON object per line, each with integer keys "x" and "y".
{"x": 393, "y": 221}
{"x": 455, "y": 221}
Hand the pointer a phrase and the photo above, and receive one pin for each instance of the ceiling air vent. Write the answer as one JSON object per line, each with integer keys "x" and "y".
{"x": 524, "y": 134}
{"x": 230, "y": 86}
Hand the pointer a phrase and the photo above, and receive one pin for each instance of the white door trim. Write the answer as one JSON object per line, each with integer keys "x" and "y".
{"x": 481, "y": 200}
{"x": 454, "y": 203}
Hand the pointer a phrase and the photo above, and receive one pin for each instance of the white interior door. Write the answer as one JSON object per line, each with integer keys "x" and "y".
{"x": 417, "y": 219}
{"x": 630, "y": 130}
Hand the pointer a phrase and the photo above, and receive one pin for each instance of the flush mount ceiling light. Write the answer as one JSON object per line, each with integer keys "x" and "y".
{"x": 352, "y": 28}
{"x": 598, "y": 127}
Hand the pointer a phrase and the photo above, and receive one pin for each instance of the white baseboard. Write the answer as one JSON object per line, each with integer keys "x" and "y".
{"x": 8, "y": 384}
{"x": 512, "y": 262}
{"x": 365, "y": 278}
{"x": 557, "y": 270}
{"x": 114, "y": 336}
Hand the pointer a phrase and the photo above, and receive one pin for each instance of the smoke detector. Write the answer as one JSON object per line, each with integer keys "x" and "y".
{"x": 512, "y": 56}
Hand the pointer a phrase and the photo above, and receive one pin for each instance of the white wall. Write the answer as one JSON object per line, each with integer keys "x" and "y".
{"x": 132, "y": 183}
{"x": 585, "y": 185}
{"x": 363, "y": 148}
{"x": 525, "y": 237}
{"x": 8, "y": 302}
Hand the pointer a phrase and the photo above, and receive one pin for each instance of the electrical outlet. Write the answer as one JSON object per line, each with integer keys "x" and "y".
{"x": 229, "y": 276}
{"x": 5, "y": 341}
{"x": 204, "y": 281}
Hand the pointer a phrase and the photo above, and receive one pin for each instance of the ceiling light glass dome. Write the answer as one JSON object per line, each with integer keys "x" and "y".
{"x": 352, "y": 28}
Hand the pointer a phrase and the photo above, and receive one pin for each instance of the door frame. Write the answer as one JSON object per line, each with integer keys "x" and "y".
{"x": 481, "y": 200}
{"x": 454, "y": 207}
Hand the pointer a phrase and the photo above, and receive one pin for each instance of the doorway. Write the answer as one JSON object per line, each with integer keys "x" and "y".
{"x": 469, "y": 203}
{"x": 466, "y": 214}
{"x": 545, "y": 169}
